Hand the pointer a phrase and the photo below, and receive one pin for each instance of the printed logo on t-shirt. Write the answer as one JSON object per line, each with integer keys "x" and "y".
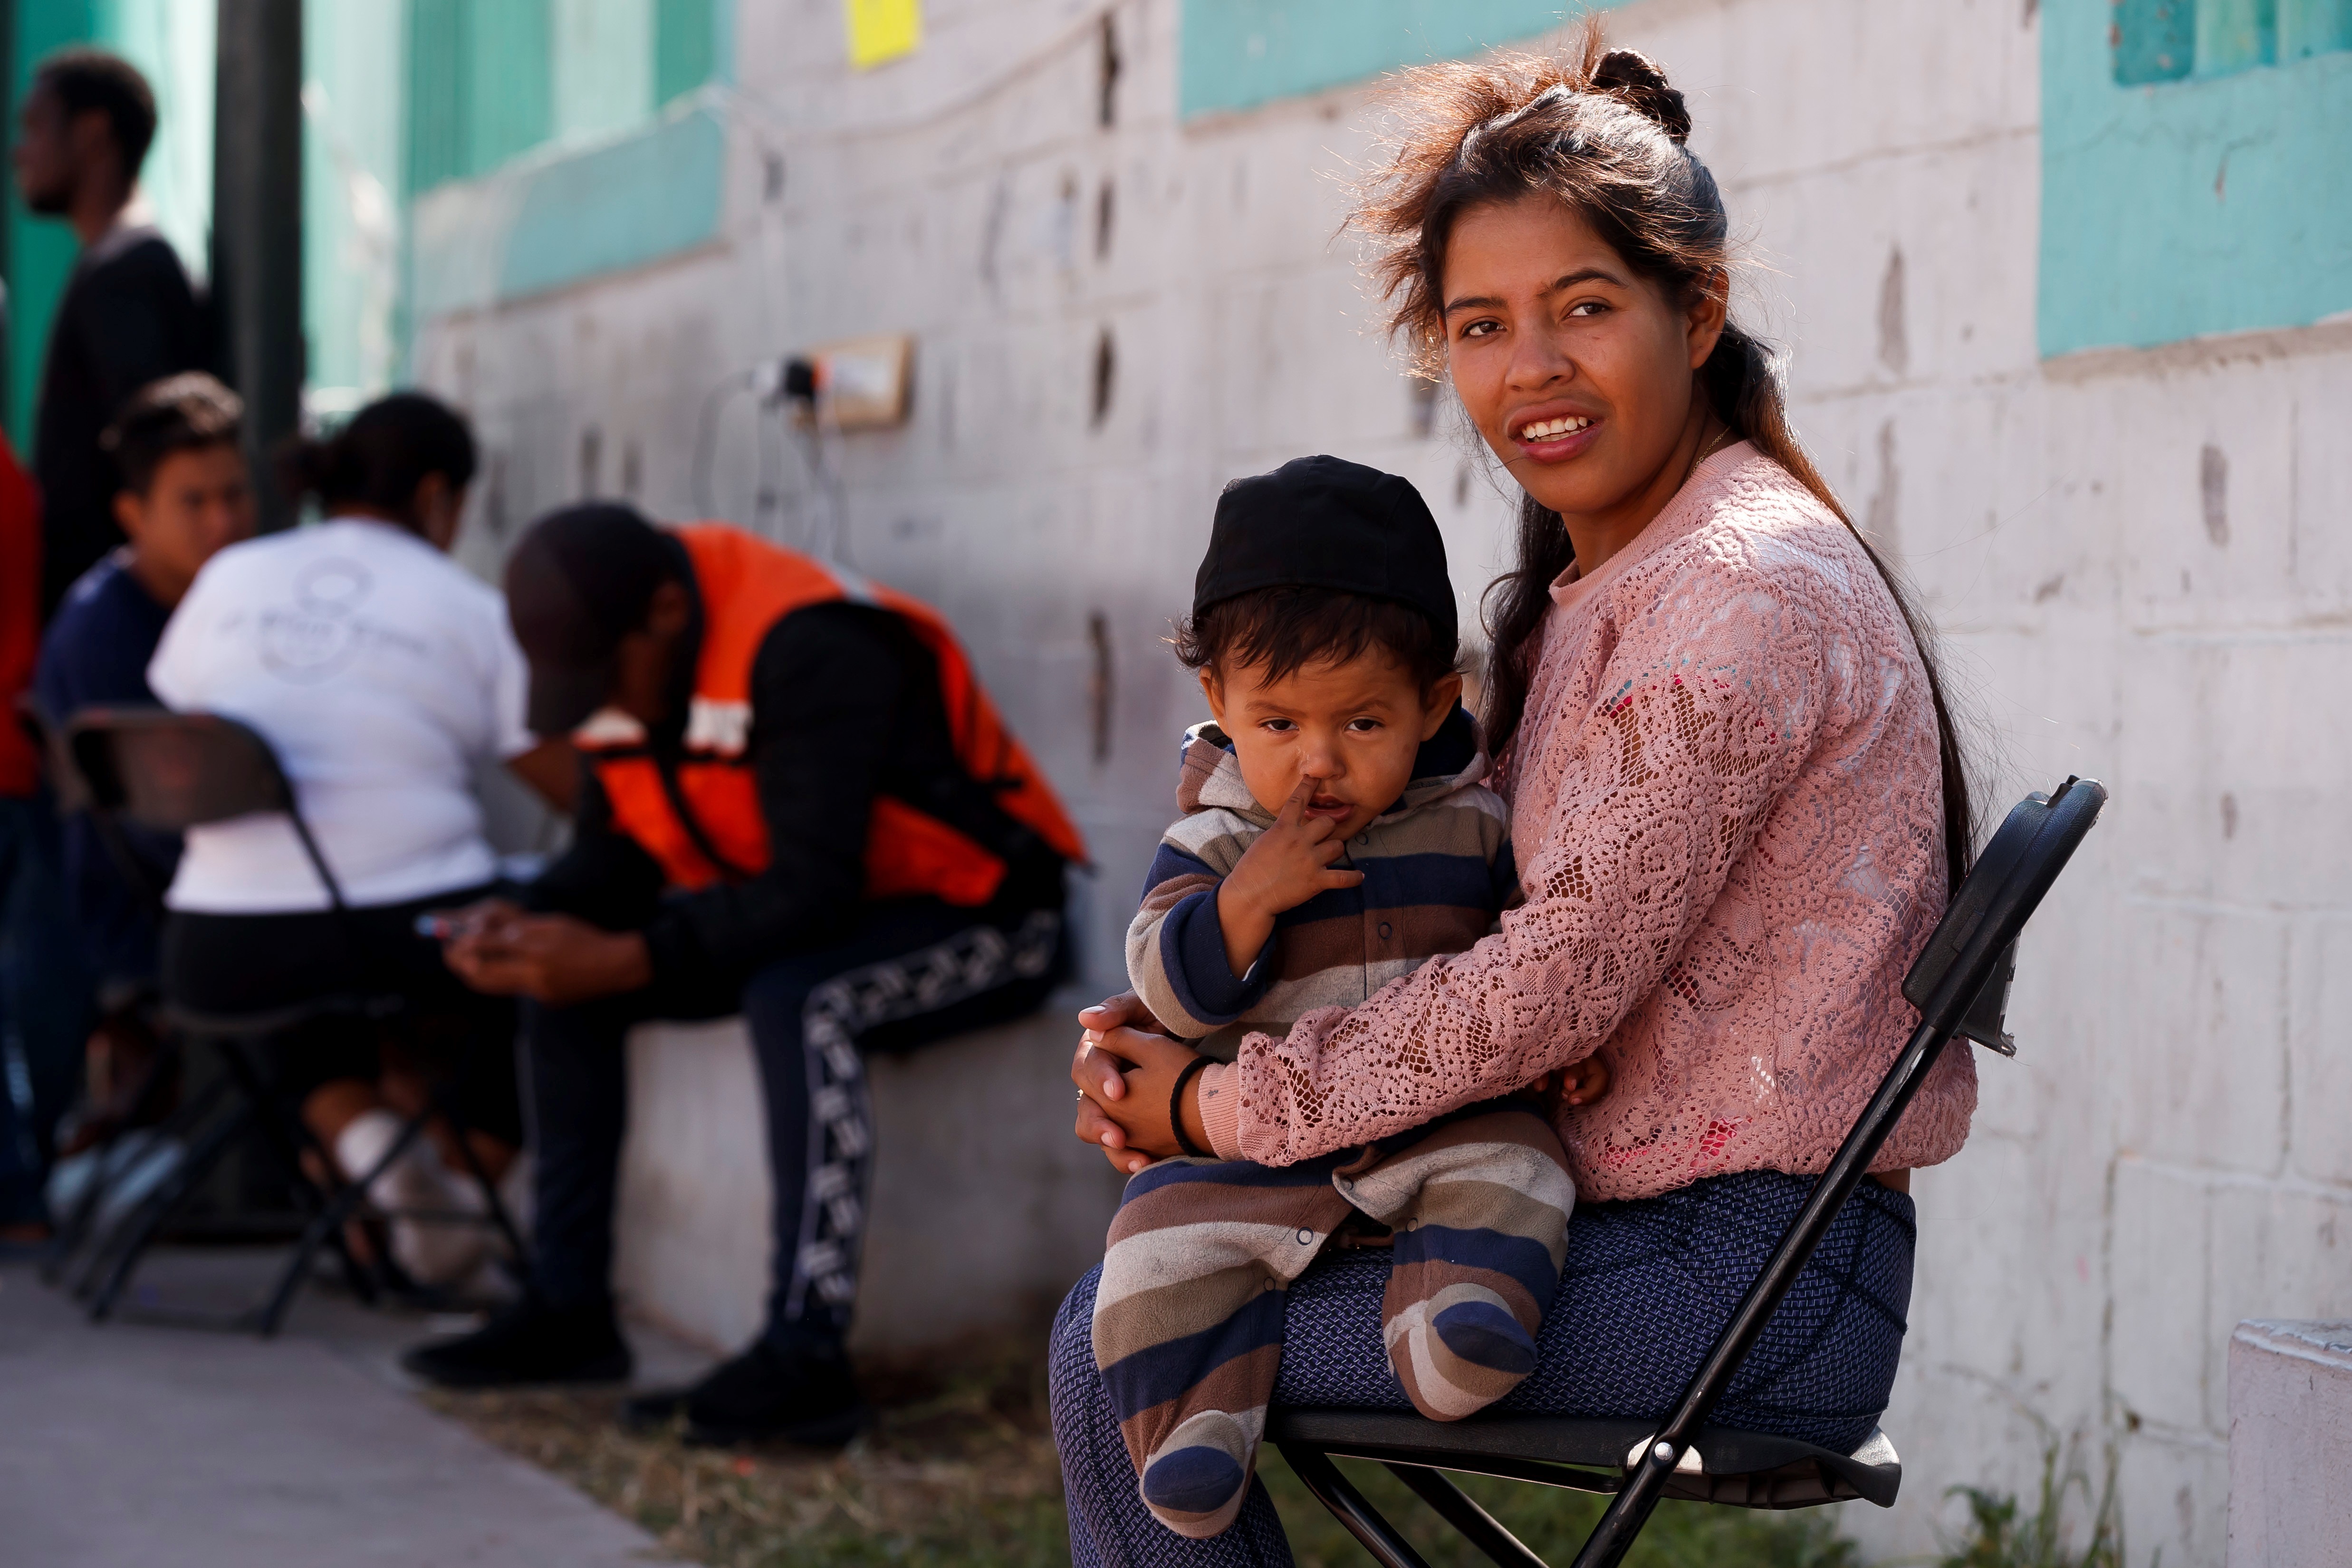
{"x": 323, "y": 631}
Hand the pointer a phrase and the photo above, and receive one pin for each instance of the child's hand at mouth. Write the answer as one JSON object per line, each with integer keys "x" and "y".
{"x": 1290, "y": 863}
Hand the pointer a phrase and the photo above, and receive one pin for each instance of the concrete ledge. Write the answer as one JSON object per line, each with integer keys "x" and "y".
{"x": 2290, "y": 1443}
{"x": 985, "y": 1208}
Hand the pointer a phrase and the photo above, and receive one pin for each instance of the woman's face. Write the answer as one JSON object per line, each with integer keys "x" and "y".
{"x": 1577, "y": 371}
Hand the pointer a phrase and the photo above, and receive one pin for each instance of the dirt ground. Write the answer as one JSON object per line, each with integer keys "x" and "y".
{"x": 960, "y": 1470}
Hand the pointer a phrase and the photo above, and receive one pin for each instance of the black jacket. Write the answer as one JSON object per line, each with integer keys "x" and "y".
{"x": 844, "y": 707}
{"x": 129, "y": 316}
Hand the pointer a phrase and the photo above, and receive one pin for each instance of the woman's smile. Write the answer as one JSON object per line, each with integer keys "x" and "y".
{"x": 1553, "y": 433}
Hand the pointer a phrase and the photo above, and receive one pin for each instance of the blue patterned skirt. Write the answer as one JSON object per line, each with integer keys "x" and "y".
{"x": 1648, "y": 1286}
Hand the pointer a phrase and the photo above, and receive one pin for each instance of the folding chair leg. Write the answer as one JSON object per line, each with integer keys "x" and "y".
{"x": 1478, "y": 1526}
{"x": 325, "y": 1228}
{"x": 1630, "y": 1508}
{"x": 176, "y": 1127}
{"x": 333, "y": 1202}
{"x": 1351, "y": 1507}
{"x": 343, "y": 1201}
{"x": 116, "y": 1258}
{"x": 1628, "y": 1511}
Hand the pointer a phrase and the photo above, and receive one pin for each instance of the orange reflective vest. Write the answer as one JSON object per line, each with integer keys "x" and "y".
{"x": 747, "y": 585}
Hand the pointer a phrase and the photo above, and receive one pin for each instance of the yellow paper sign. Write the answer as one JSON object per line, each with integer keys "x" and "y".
{"x": 881, "y": 30}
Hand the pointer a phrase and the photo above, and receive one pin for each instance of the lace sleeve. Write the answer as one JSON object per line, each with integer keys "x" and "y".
{"x": 1706, "y": 711}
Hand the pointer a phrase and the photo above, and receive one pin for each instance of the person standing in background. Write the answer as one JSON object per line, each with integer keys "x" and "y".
{"x": 129, "y": 315}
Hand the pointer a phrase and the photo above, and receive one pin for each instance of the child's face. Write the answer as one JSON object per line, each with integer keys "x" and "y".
{"x": 1352, "y": 728}
{"x": 198, "y": 504}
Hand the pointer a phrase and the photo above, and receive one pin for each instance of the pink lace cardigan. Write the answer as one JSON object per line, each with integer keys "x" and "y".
{"x": 1726, "y": 803}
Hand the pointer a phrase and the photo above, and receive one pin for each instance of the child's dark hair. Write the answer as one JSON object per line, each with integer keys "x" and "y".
{"x": 379, "y": 459}
{"x": 1281, "y": 631}
{"x": 178, "y": 413}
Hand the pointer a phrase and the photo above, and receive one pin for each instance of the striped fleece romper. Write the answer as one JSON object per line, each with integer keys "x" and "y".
{"x": 1187, "y": 1321}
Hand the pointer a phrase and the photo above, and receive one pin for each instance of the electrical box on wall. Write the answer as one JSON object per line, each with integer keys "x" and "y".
{"x": 859, "y": 383}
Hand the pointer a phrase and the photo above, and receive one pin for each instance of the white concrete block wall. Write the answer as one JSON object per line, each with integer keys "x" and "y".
{"x": 2169, "y": 1153}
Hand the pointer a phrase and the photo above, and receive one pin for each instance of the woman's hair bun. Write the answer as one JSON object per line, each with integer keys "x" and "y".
{"x": 1634, "y": 80}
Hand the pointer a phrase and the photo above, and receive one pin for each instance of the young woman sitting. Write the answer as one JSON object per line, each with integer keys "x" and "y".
{"x": 1736, "y": 802}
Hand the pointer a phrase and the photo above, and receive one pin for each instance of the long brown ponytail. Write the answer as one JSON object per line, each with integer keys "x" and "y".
{"x": 1601, "y": 129}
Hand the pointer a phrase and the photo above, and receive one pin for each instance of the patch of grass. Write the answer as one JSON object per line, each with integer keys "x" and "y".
{"x": 1553, "y": 1524}
{"x": 2000, "y": 1534}
{"x": 960, "y": 1471}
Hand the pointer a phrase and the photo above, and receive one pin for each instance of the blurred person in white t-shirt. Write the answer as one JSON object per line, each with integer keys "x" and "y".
{"x": 385, "y": 676}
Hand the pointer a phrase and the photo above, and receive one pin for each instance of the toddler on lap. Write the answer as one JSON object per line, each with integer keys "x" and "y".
{"x": 1336, "y": 834}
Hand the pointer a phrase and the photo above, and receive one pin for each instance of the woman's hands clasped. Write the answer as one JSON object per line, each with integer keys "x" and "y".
{"x": 1125, "y": 1070}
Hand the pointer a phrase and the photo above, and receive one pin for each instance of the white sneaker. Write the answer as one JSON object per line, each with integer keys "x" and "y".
{"x": 518, "y": 1193}
{"x": 430, "y": 1251}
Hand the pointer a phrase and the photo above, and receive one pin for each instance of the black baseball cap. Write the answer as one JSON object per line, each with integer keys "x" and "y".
{"x": 1324, "y": 523}
{"x": 579, "y": 581}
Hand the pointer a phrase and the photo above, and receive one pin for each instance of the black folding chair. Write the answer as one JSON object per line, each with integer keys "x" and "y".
{"x": 1960, "y": 985}
{"x": 172, "y": 772}
{"x": 70, "y": 793}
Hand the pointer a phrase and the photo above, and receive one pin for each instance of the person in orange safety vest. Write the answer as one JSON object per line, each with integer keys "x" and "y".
{"x": 800, "y": 804}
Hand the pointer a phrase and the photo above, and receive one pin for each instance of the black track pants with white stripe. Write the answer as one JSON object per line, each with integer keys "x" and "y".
{"x": 912, "y": 972}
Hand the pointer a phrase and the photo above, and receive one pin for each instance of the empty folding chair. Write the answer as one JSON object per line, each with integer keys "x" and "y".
{"x": 172, "y": 772}
{"x": 1960, "y": 985}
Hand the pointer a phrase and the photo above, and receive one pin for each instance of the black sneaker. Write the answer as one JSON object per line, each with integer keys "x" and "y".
{"x": 528, "y": 1343}
{"x": 765, "y": 1394}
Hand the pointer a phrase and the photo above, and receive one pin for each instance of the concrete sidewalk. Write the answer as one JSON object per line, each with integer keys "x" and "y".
{"x": 180, "y": 1447}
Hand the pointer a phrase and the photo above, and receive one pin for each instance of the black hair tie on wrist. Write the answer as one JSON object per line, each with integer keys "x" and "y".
{"x": 1176, "y": 1110}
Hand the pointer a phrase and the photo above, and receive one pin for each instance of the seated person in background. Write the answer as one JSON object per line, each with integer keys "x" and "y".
{"x": 802, "y": 808}
{"x": 382, "y": 673}
{"x": 182, "y": 495}
{"x": 1336, "y": 834}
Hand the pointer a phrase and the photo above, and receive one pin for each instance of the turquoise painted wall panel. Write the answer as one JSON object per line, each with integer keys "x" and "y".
{"x": 2235, "y": 36}
{"x": 2155, "y": 40}
{"x": 2164, "y": 40}
{"x": 2173, "y": 209}
{"x": 510, "y": 89}
{"x": 686, "y": 47}
{"x": 438, "y": 65}
{"x": 355, "y": 125}
{"x": 480, "y": 86}
{"x": 490, "y": 80}
{"x": 173, "y": 46}
{"x": 1237, "y": 54}
{"x": 2308, "y": 28}
{"x": 602, "y": 73}
{"x": 616, "y": 207}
